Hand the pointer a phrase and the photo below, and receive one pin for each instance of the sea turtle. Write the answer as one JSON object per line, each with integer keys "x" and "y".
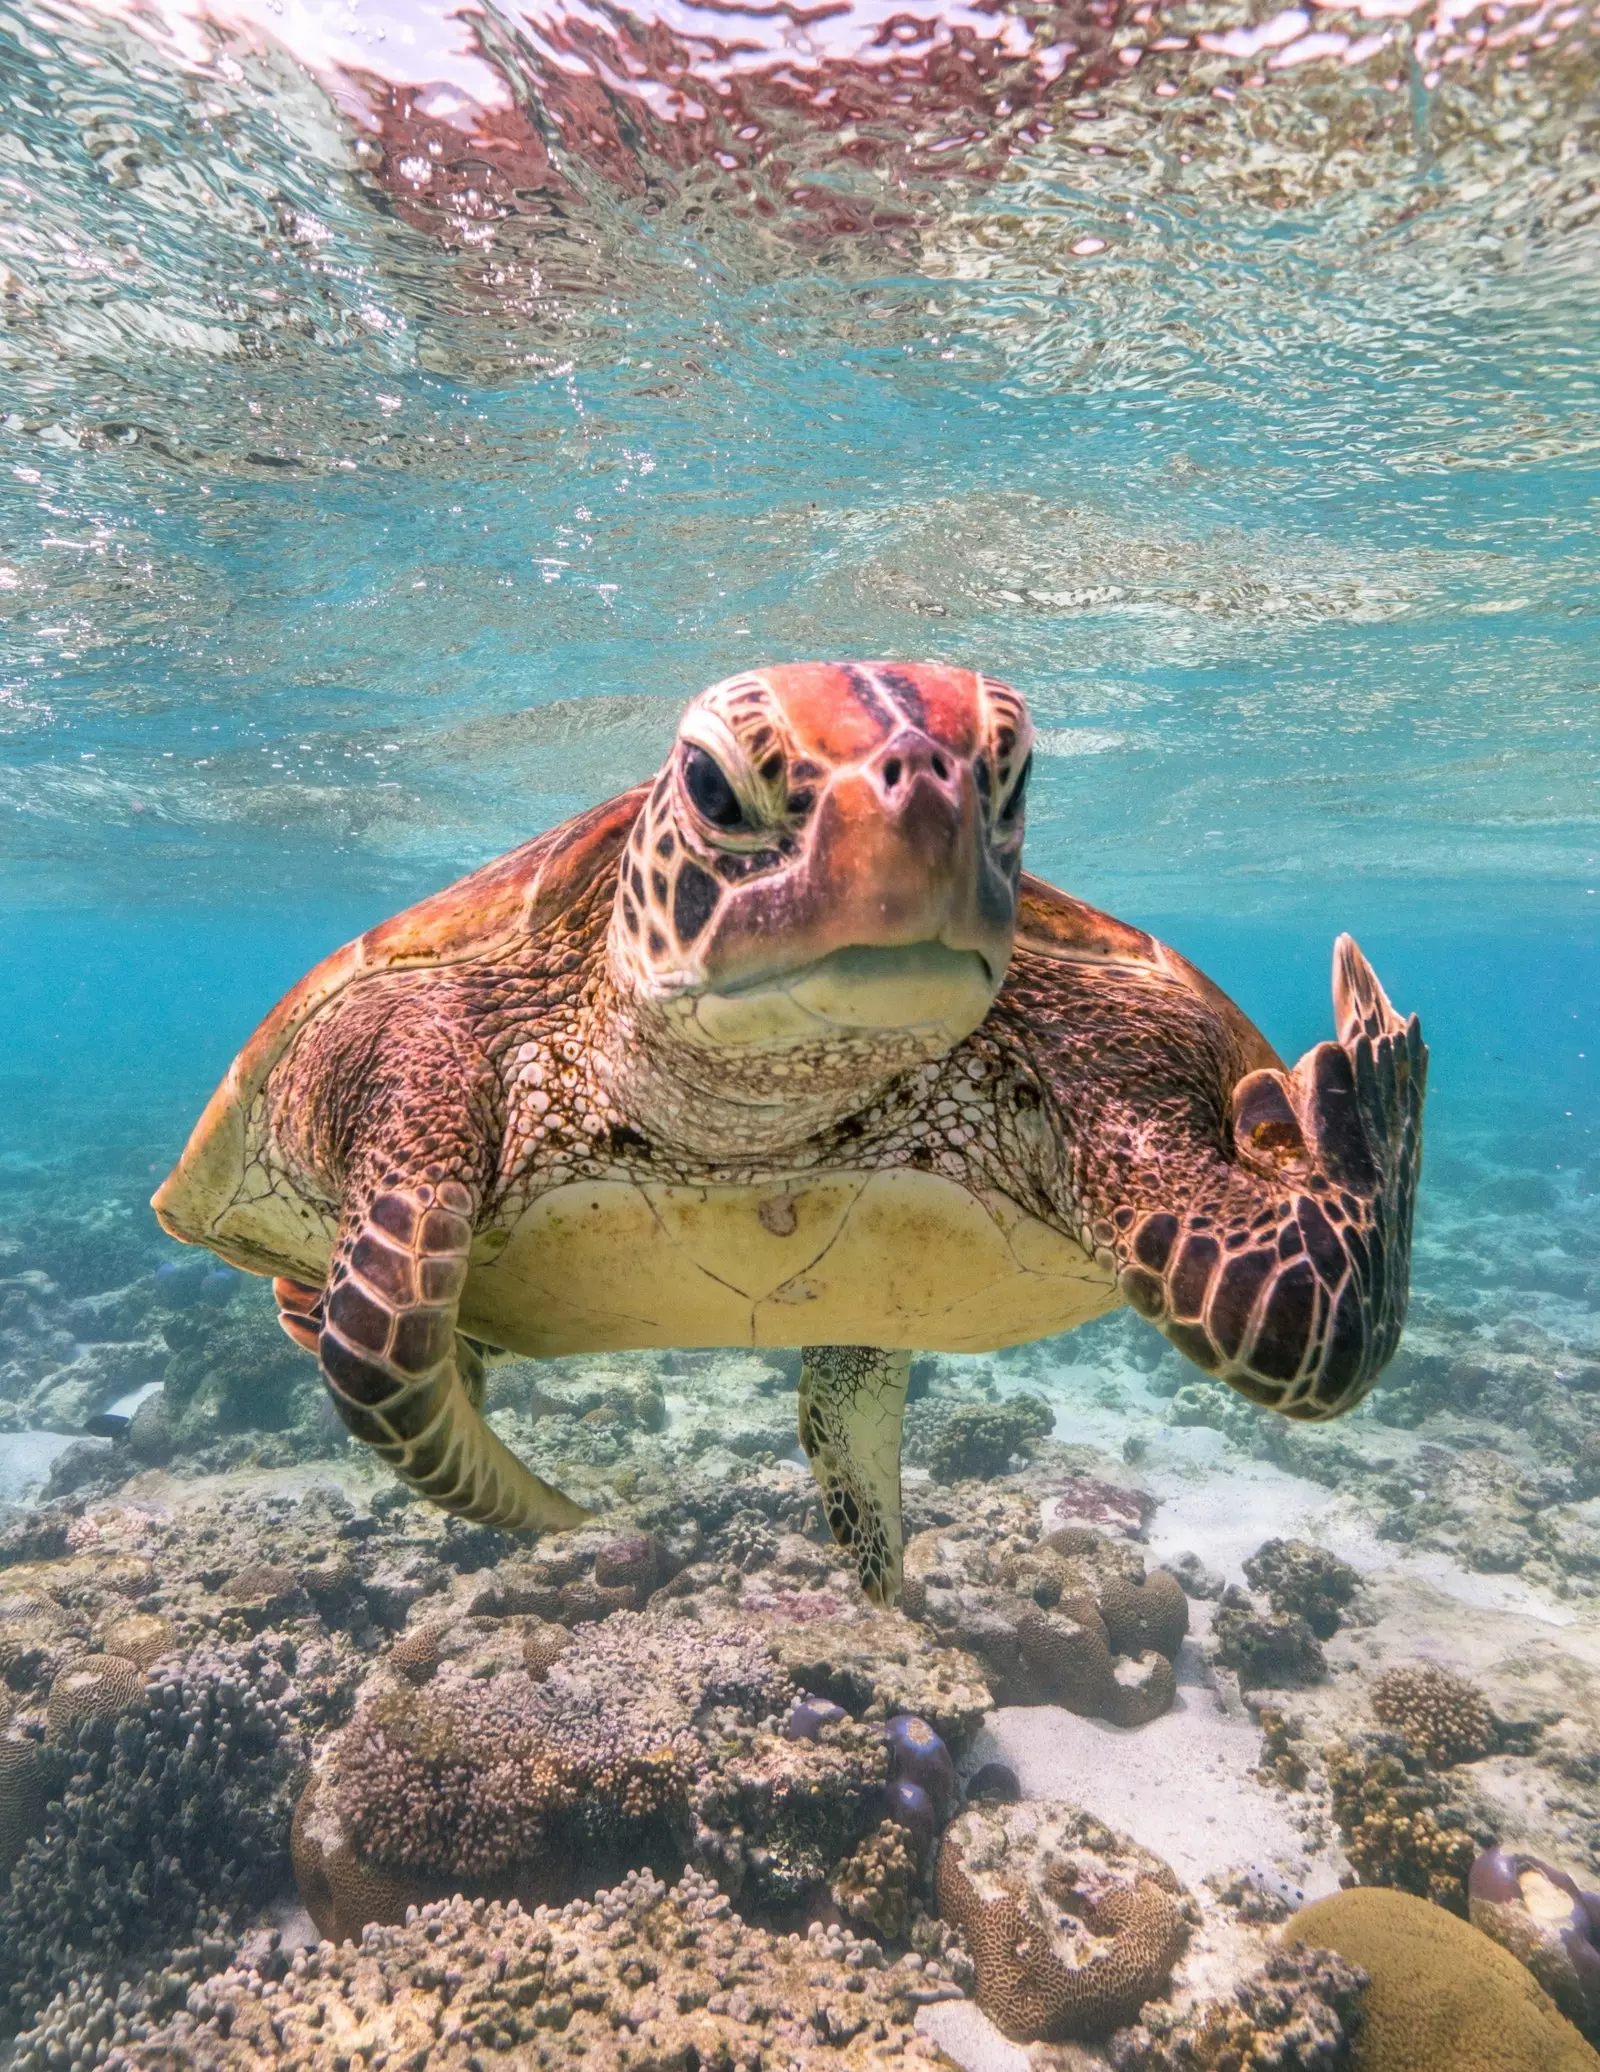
{"x": 785, "y": 1048}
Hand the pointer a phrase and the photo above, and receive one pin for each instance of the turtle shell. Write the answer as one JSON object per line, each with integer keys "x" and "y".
{"x": 505, "y": 901}
{"x": 1052, "y": 924}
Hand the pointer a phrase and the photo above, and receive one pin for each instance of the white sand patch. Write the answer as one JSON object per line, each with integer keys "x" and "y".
{"x": 27, "y": 1457}
{"x": 1183, "y": 1785}
{"x": 965, "y": 2033}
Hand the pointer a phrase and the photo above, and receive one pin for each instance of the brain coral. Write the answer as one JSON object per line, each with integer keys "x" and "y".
{"x": 1441, "y": 1996}
{"x": 1068, "y": 1620}
{"x": 1444, "y": 1718}
{"x": 1072, "y": 1927}
{"x": 1151, "y": 1614}
{"x": 140, "y": 1637}
{"x": 21, "y": 1795}
{"x": 94, "y": 1689}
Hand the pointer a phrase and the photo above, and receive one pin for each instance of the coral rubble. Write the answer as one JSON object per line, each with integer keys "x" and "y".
{"x": 1301, "y": 2012}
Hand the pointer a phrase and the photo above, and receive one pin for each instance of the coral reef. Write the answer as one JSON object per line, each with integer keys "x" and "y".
{"x": 1072, "y": 1927}
{"x": 640, "y": 1975}
{"x": 956, "y": 1441}
{"x": 1301, "y": 2012}
{"x": 1442, "y": 1717}
{"x": 1548, "y": 1923}
{"x": 1401, "y": 1827}
{"x": 176, "y": 1804}
{"x": 92, "y": 1690}
{"x": 1071, "y": 1619}
{"x": 1265, "y": 1650}
{"x": 1297, "y": 1577}
{"x": 876, "y": 1885}
{"x": 649, "y": 1735}
{"x": 876, "y": 1664}
{"x": 1441, "y": 1997}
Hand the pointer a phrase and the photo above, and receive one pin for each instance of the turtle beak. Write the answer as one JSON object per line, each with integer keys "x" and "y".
{"x": 898, "y": 858}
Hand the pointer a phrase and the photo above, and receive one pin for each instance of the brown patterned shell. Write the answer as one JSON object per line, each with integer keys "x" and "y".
{"x": 1052, "y": 924}
{"x": 508, "y": 898}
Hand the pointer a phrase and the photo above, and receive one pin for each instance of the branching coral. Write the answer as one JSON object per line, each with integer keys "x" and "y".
{"x": 1399, "y": 1827}
{"x": 648, "y": 1737}
{"x": 1443, "y": 1718}
{"x": 876, "y": 1885}
{"x": 640, "y": 1976}
{"x": 180, "y": 1803}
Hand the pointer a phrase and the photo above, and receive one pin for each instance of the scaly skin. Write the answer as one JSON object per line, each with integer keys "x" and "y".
{"x": 1261, "y": 1218}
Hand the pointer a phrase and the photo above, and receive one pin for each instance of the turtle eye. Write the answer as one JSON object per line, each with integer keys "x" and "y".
{"x": 706, "y": 782}
{"x": 1011, "y": 811}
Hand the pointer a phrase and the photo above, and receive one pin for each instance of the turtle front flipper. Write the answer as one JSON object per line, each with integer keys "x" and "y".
{"x": 852, "y": 1403}
{"x": 402, "y": 1378}
{"x": 1285, "y": 1270}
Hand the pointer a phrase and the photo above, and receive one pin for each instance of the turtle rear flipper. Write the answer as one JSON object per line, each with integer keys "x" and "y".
{"x": 402, "y": 1378}
{"x": 852, "y": 1404}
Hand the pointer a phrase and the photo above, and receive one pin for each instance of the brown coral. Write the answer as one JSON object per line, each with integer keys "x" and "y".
{"x": 876, "y": 1884}
{"x": 1070, "y": 1657}
{"x": 415, "y": 1655}
{"x": 638, "y": 1977}
{"x": 543, "y": 1645}
{"x": 1398, "y": 1825}
{"x": 1441, "y": 1996}
{"x": 1300, "y": 2013}
{"x": 1143, "y": 1687}
{"x": 21, "y": 1796}
{"x": 1444, "y": 1718}
{"x": 1072, "y": 1927}
{"x": 1151, "y": 1614}
{"x": 1046, "y": 1619}
{"x": 97, "y": 1688}
{"x": 139, "y": 1637}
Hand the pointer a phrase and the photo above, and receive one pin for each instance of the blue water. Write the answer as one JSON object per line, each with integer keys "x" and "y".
{"x": 351, "y": 532}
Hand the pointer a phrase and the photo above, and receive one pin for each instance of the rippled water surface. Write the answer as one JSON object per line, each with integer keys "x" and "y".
{"x": 404, "y": 412}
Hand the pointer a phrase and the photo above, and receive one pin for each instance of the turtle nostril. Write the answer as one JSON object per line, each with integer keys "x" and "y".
{"x": 941, "y": 769}
{"x": 891, "y": 772}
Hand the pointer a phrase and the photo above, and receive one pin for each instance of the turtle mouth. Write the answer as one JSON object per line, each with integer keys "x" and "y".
{"x": 924, "y": 988}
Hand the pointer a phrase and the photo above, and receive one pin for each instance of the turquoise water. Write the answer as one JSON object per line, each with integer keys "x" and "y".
{"x": 1252, "y": 437}
{"x": 403, "y": 414}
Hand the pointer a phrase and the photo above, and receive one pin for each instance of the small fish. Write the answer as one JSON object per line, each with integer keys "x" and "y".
{"x": 107, "y": 1424}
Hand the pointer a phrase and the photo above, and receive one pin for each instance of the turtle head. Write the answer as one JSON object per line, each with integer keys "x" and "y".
{"x": 827, "y": 868}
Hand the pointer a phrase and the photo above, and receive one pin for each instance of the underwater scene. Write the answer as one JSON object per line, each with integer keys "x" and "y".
{"x": 919, "y": 1383}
